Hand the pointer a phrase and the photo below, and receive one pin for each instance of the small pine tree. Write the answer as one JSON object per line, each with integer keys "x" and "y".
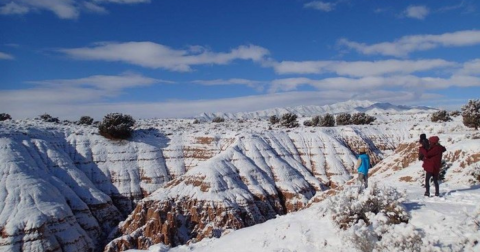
{"x": 344, "y": 119}
{"x": 116, "y": 126}
{"x": 289, "y": 120}
{"x": 5, "y": 116}
{"x": 48, "y": 118}
{"x": 362, "y": 118}
{"x": 316, "y": 121}
{"x": 440, "y": 116}
{"x": 274, "y": 119}
{"x": 218, "y": 119}
{"x": 85, "y": 120}
{"x": 327, "y": 121}
{"x": 471, "y": 114}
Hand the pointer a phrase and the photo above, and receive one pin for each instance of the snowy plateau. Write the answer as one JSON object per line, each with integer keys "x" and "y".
{"x": 238, "y": 185}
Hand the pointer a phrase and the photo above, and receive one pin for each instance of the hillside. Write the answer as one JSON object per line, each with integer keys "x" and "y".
{"x": 65, "y": 188}
{"x": 446, "y": 223}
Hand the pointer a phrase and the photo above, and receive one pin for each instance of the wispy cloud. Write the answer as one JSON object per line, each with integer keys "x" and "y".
{"x": 75, "y": 91}
{"x": 152, "y": 55}
{"x": 371, "y": 83}
{"x": 4, "y": 56}
{"x": 408, "y": 44}
{"x": 417, "y": 12}
{"x": 470, "y": 68}
{"x": 320, "y": 5}
{"x": 359, "y": 68}
{"x": 24, "y": 107}
{"x": 64, "y": 9}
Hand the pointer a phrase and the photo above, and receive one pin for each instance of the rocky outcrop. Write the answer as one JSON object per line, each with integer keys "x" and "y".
{"x": 256, "y": 178}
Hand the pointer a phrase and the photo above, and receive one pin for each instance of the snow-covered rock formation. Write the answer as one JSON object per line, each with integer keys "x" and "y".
{"x": 65, "y": 187}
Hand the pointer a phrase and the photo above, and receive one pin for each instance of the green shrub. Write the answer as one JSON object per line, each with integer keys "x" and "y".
{"x": 218, "y": 119}
{"x": 289, "y": 120}
{"x": 471, "y": 114}
{"x": 85, "y": 120}
{"x": 440, "y": 116}
{"x": 48, "y": 118}
{"x": 5, "y": 116}
{"x": 116, "y": 126}
{"x": 327, "y": 120}
{"x": 344, "y": 119}
{"x": 362, "y": 118}
{"x": 274, "y": 119}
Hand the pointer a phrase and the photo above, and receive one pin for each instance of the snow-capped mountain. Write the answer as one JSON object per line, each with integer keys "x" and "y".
{"x": 352, "y": 106}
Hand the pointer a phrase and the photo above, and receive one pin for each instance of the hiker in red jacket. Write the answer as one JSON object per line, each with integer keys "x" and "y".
{"x": 431, "y": 163}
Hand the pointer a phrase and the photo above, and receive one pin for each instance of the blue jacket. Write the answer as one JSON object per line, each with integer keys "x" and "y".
{"x": 365, "y": 165}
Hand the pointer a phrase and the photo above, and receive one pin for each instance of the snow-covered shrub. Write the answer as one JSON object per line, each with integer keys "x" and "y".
{"x": 380, "y": 236}
{"x": 327, "y": 121}
{"x": 440, "y": 116}
{"x": 474, "y": 174}
{"x": 344, "y": 119}
{"x": 218, "y": 119}
{"x": 116, "y": 126}
{"x": 355, "y": 204}
{"x": 362, "y": 118}
{"x": 48, "y": 118}
{"x": 308, "y": 123}
{"x": 455, "y": 113}
{"x": 471, "y": 114}
{"x": 85, "y": 120}
{"x": 274, "y": 119}
{"x": 289, "y": 120}
{"x": 316, "y": 121}
{"x": 5, "y": 116}
{"x": 375, "y": 219}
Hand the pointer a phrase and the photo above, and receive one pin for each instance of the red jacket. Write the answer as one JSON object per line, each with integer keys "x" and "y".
{"x": 433, "y": 158}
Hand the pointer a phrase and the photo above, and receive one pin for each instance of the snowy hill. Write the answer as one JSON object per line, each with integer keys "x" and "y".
{"x": 65, "y": 187}
{"x": 352, "y": 106}
{"x": 446, "y": 223}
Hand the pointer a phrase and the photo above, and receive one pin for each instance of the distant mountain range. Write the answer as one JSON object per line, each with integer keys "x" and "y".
{"x": 351, "y": 106}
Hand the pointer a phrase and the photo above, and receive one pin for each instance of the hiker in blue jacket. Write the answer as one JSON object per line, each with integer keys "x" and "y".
{"x": 362, "y": 166}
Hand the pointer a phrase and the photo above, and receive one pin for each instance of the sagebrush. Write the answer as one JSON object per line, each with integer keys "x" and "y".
{"x": 116, "y": 126}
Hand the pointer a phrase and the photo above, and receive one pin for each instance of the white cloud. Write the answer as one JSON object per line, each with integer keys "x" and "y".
{"x": 359, "y": 68}
{"x": 152, "y": 55}
{"x": 319, "y": 5}
{"x": 13, "y": 8}
{"x": 64, "y": 9}
{"x": 91, "y": 7}
{"x": 74, "y": 91}
{"x": 470, "y": 68}
{"x": 24, "y": 107}
{"x": 4, "y": 56}
{"x": 417, "y": 12}
{"x": 123, "y": 1}
{"x": 408, "y": 44}
{"x": 371, "y": 83}
{"x": 233, "y": 81}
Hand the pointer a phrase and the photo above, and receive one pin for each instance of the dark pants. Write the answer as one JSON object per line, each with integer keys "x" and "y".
{"x": 435, "y": 181}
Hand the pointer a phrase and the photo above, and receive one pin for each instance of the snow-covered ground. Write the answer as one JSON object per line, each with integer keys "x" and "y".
{"x": 450, "y": 222}
{"x": 447, "y": 223}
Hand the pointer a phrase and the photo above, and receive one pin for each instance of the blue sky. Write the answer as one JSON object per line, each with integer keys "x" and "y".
{"x": 179, "y": 58}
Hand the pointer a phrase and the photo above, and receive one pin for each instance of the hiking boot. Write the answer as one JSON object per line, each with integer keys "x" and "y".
{"x": 437, "y": 194}
{"x": 427, "y": 194}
